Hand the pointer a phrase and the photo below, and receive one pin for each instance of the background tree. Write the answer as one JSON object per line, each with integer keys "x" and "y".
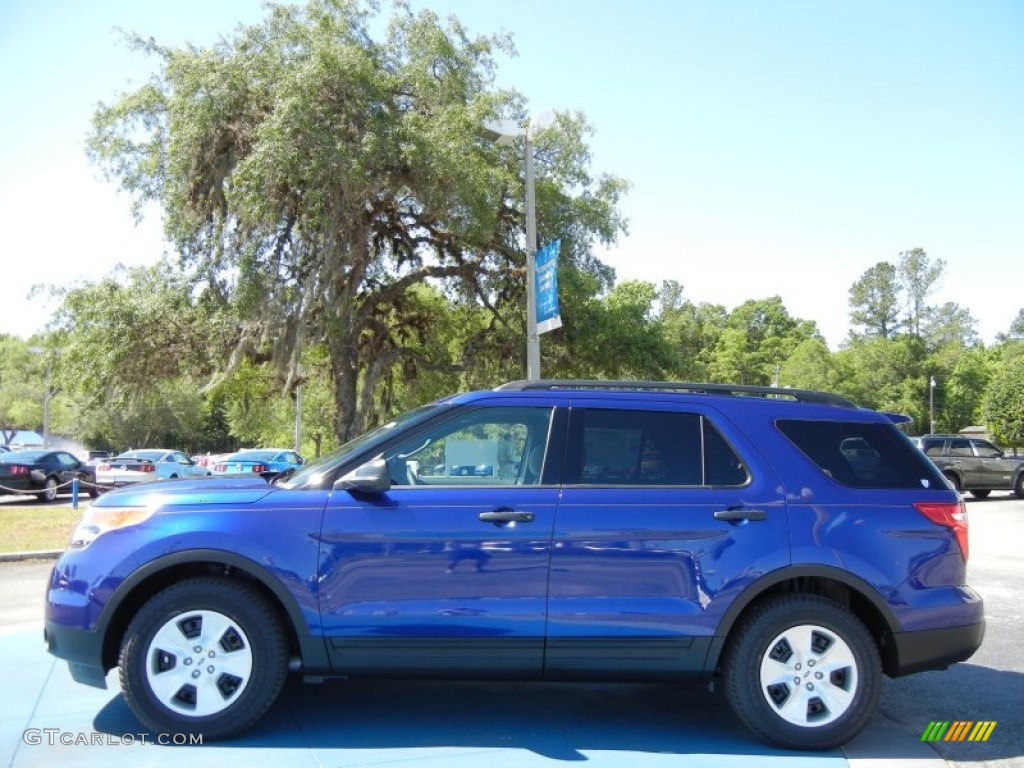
{"x": 22, "y": 385}
{"x": 918, "y": 278}
{"x": 312, "y": 177}
{"x": 1004, "y": 404}
{"x": 693, "y": 331}
{"x": 875, "y": 301}
{"x": 758, "y": 338}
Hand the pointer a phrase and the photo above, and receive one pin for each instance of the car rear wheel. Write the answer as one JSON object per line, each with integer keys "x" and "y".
{"x": 206, "y": 655}
{"x": 49, "y": 492}
{"x": 981, "y": 494}
{"x": 803, "y": 673}
{"x": 1018, "y": 486}
{"x": 954, "y": 481}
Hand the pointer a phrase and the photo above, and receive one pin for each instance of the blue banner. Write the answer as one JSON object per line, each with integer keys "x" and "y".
{"x": 546, "y": 283}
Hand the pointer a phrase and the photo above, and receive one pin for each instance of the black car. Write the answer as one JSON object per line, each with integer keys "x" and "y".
{"x": 44, "y": 473}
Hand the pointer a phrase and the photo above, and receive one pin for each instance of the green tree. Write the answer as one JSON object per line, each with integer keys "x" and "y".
{"x": 886, "y": 374}
{"x": 312, "y": 177}
{"x": 22, "y": 385}
{"x": 1004, "y": 404}
{"x": 693, "y": 331}
{"x": 918, "y": 278}
{"x": 758, "y": 338}
{"x": 875, "y": 301}
{"x": 812, "y": 366}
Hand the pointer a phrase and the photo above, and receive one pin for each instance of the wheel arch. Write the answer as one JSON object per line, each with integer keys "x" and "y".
{"x": 158, "y": 574}
{"x": 955, "y": 477}
{"x": 853, "y": 593}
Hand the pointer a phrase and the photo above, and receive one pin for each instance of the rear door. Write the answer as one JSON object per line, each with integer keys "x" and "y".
{"x": 666, "y": 514}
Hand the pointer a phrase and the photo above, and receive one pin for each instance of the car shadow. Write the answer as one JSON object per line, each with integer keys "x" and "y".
{"x": 967, "y": 693}
{"x": 552, "y": 720}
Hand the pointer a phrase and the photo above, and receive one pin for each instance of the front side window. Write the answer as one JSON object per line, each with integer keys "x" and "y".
{"x": 484, "y": 446}
{"x": 987, "y": 450}
{"x": 635, "y": 447}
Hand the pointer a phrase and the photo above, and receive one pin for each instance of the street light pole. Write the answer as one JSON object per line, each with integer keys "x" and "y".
{"x": 532, "y": 338}
{"x": 931, "y": 402}
{"x": 505, "y": 132}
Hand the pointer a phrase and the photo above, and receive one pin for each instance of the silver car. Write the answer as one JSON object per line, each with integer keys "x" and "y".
{"x": 145, "y": 465}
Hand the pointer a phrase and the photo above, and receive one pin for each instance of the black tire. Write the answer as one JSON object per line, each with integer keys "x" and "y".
{"x": 1018, "y": 486}
{"x": 223, "y": 635}
{"x": 761, "y": 669}
{"x": 981, "y": 494}
{"x": 954, "y": 481}
{"x": 49, "y": 492}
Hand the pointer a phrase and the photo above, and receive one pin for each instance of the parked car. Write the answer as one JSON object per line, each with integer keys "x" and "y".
{"x": 145, "y": 466}
{"x": 208, "y": 459}
{"x": 784, "y": 542}
{"x": 476, "y": 470}
{"x": 268, "y": 463}
{"x": 44, "y": 473}
{"x": 975, "y": 465}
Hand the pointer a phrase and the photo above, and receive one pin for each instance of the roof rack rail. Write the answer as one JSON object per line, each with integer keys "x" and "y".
{"x": 736, "y": 390}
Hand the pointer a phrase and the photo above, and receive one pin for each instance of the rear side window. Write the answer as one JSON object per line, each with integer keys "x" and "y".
{"x": 636, "y": 447}
{"x": 862, "y": 455}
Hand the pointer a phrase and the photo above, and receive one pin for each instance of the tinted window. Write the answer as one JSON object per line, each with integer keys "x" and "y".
{"x": 624, "y": 447}
{"x": 959, "y": 447}
{"x": 862, "y": 455}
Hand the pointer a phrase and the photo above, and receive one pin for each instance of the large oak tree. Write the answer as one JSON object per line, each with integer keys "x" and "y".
{"x": 312, "y": 176}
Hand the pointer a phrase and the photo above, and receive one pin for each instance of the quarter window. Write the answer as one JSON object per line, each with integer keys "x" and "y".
{"x": 862, "y": 455}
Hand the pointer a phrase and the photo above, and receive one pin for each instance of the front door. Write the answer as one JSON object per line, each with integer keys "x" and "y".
{"x": 447, "y": 570}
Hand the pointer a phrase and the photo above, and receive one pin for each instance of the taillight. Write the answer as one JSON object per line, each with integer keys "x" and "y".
{"x": 19, "y": 471}
{"x": 951, "y": 515}
{"x": 147, "y": 468}
{"x": 103, "y": 468}
{"x": 220, "y": 467}
{"x": 259, "y": 467}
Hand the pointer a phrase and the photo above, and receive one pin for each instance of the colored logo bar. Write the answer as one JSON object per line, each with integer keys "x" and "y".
{"x": 958, "y": 730}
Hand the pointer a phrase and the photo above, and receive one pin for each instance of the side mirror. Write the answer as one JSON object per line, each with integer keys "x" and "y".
{"x": 371, "y": 477}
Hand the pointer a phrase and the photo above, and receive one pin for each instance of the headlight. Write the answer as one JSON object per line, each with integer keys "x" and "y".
{"x": 98, "y": 520}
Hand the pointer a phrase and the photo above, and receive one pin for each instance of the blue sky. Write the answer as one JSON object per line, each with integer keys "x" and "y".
{"x": 774, "y": 148}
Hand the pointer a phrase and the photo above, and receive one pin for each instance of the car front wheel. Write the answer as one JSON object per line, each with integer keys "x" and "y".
{"x": 803, "y": 673}
{"x": 205, "y": 656}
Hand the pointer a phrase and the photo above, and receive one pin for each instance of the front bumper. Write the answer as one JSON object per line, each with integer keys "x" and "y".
{"x": 81, "y": 648}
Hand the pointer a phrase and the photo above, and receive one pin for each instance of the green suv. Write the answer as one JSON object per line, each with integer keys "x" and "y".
{"x": 975, "y": 465}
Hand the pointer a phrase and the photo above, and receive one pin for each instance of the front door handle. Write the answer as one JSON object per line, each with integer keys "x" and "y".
{"x": 740, "y": 514}
{"x": 502, "y": 516}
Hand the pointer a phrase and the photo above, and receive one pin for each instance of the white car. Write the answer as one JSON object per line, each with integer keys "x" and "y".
{"x": 144, "y": 465}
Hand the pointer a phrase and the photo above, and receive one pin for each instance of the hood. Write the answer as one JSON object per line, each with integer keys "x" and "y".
{"x": 200, "y": 490}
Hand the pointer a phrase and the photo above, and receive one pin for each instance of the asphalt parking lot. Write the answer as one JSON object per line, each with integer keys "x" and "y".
{"x": 47, "y": 718}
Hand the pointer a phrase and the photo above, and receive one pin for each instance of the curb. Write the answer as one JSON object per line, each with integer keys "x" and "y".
{"x": 42, "y": 554}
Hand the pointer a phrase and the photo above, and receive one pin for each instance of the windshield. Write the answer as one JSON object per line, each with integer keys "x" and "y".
{"x": 313, "y": 473}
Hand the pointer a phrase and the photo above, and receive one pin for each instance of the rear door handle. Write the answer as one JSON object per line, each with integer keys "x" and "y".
{"x": 740, "y": 514}
{"x": 502, "y": 516}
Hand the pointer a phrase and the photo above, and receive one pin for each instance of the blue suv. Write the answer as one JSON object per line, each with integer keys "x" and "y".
{"x": 785, "y": 542}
